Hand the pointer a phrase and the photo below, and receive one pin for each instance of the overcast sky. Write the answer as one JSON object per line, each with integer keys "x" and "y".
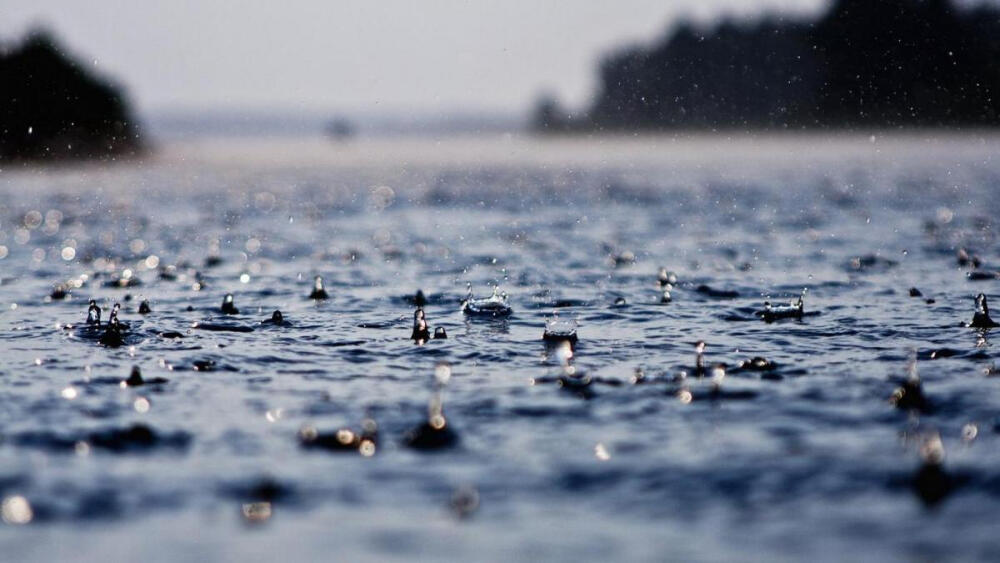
{"x": 390, "y": 55}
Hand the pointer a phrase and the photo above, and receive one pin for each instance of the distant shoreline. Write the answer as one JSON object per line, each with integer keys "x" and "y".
{"x": 691, "y": 132}
{"x": 523, "y": 148}
{"x": 406, "y": 155}
{"x": 859, "y": 64}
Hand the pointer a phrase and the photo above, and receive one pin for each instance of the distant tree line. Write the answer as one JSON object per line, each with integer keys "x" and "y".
{"x": 53, "y": 107}
{"x": 864, "y": 63}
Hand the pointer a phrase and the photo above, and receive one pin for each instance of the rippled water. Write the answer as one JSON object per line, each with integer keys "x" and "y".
{"x": 809, "y": 459}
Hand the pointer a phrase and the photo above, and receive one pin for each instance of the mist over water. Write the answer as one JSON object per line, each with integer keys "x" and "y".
{"x": 806, "y": 459}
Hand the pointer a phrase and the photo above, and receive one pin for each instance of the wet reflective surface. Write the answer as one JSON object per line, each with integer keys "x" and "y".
{"x": 327, "y": 429}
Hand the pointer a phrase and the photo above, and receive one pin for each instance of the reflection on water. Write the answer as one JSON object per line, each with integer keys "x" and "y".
{"x": 674, "y": 413}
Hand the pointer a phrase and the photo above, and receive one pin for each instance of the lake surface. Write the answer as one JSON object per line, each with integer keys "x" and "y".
{"x": 808, "y": 459}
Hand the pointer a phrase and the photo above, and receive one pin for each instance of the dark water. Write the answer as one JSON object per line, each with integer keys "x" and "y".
{"x": 807, "y": 460}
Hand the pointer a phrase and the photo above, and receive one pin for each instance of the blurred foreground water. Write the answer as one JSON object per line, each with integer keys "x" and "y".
{"x": 806, "y": 459}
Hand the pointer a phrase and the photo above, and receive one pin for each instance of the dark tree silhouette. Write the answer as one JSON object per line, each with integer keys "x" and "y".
{"x": 549, "y": 115}
{"x": 52, "y": 107}
{"x": 885, "y": 63}
{"x": 899, "y": 62}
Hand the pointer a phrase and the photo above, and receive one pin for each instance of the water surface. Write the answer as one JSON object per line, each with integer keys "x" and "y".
{"x": 809, "y": 460}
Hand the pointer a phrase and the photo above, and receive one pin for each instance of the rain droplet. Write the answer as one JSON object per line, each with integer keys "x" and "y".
{"x": 601, "y": 453}
{"x": 442, "y": 373}
{"x": 16, "y": 510}
{"x": 141, "y": 405}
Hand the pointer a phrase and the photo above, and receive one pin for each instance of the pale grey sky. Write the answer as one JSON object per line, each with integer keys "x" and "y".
{"x": 391, "y": 55}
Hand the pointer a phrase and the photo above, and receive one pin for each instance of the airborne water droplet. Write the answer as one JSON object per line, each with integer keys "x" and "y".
{"x": 16, "y": 510}
{"x": 442, "y": 373}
